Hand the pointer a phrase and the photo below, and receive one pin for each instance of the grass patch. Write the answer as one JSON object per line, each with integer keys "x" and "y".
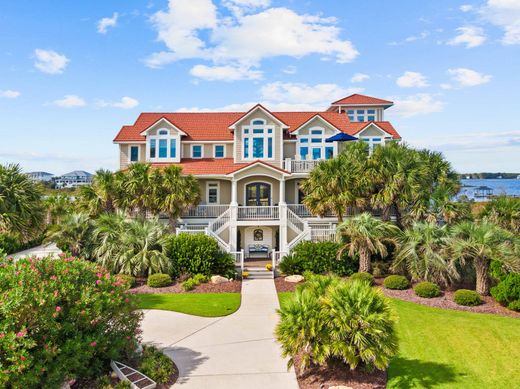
{"x": 198, "y": 304}
{"x": 452, "y": 349}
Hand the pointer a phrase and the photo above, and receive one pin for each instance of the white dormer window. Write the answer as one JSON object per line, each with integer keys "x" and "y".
{"x": 313, "y": 145}
{"x": 163, "y": 146}
{"x": 258, "y": 140}
{"x": 362, "y": 115}
{"x": 372, "y": 142}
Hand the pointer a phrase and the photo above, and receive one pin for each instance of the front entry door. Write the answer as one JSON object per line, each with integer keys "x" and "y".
{"x": 258, "y": 194}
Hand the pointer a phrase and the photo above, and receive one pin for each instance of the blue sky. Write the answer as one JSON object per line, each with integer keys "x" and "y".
{"x": 73, "y": 72}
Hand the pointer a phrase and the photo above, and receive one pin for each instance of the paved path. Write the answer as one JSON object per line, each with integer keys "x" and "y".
{"x": 236, "y": 351}
{"x": 38, "y": 252}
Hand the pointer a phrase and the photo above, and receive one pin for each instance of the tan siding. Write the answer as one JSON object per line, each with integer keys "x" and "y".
{"x": 289, "y": 150}
{"x": 123, "y": 156}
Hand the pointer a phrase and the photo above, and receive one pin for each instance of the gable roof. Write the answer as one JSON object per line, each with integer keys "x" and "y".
{"x": 356, "y": 127}
{"x": 262, "y": 108}
{"x": 357, "y": 99}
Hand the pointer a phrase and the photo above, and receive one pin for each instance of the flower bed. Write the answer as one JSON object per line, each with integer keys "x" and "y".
{"x": 176, "y": 287}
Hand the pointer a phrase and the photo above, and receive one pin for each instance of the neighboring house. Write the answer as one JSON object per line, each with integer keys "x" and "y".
{"x": 250, "y": 164}
{"x": 40, "y": 176}
{"x": 73, "y": 179}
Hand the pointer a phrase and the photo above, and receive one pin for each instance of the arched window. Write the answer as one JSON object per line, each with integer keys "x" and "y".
{"x": 258, "y": 140}
{"x": 163, "y": 132}
{"x": 163, "y": 146}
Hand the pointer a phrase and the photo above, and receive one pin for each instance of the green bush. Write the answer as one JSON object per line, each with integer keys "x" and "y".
{"x": 62, "y": 318}
{"x": 197, "y": 254}
{"x": 396, "y": 282}
{"x": 468, "y": 298}
{"x": 123, "y": 385}
{"x": 192, "y": 282}
{"x": 363, "y": 276}
{"x": 128, "y": 280}
{"x": 507, "y": 292}
{"x": 9, "y": 244}
{"x": 319, "y": 258}
{"x": 159, "y": 280}
{"x": 156, "y": 365}
{"x": 312, "y": 324}
{"x": 427, "y": 289}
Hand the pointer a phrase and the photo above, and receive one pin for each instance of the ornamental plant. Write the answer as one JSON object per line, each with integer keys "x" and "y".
{"x": 61, "y": 319}
{"x": 427, "y": 289}
{"x": 396, "y": 282}
{"x": 468, "y": 298}
{"x": 507, "y": 292}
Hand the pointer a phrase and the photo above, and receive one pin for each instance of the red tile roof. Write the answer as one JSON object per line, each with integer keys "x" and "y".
{"x": 211, "y": 166}
{"x": 354, "y": 128}
{"x": 357, "y": 99}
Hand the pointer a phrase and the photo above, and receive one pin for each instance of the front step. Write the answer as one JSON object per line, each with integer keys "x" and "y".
{"x": 259, "y": 273}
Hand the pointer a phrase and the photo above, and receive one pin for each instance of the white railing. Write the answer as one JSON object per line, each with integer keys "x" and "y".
{"x": 294, "y": 166}
{"x": 302, "y": 211}
{"x": 239, "y": 258}
{"x": 205, "y": 211}
{"x": 194, "y": 229}
{"x": 258, "y": 213}
{"x": 295, "y": 221}
{"x": 323, "y": 234}
{"x": 218, "y": 225}
{"x": 277, "y": 257}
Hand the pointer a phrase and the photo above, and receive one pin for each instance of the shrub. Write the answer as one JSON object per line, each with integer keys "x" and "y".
{"x": 198, "y": 254}
{"x": 318, "y": 257}
{"x": 312, "y": 324}
{"x": 192, "y": 282}
{"x": 61, "y": 318}
{"x": 363, "y": 276}
{"x": 468, "y": 298}
{"x": 159, "y": 280}
{"x": 156, "y": 365}
{"x": 128, "y": 280}
{"x": 507, "y": 292}
{"x": 9, "y": 244}
{"x": 123, "y": 385}
{"x": 396, "y": 282}
{"x": 427, "y": 289}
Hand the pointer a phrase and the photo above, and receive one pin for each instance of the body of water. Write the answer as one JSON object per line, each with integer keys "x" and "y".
{"x": 510, "y": 187}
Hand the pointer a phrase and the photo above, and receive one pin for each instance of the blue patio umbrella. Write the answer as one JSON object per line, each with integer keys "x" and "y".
{"x": 341, "y": 137}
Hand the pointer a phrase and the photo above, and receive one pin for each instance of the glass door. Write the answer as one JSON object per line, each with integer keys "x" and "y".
{"x": 258, "y": 194}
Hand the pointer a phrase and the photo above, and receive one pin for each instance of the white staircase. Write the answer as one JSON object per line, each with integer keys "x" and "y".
{"x": 256, "y": 272}
{"x": 299, "y": 225}
{"x": 218, "y": 225}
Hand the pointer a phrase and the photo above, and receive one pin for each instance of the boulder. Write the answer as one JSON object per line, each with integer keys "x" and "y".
{"x": 218, "y": 279}
{"x": 294, "y": 278}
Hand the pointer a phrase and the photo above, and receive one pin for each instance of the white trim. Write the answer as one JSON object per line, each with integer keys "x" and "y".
{"x": 215, "y": 150}
{"x": 129, "y": 142}
{"x": 375, "y": 125}
{"x": 265, "y": 135}
{"x": 169, "y": 138}
{"x": 218, "y": 192}
{"x": 252, "y": 110}
{"x": 296, "y": 131}
{"x": 130, "y": 153}
{"x": 254, "y": 164}
{"x": 207, "y": 141}
{"x": 363, "y": 105}
{"x": 256, "y": 181}
{"x": 145, "y": 131}
{"x": 310, "y": 146}
{"x": 201, "y": 151}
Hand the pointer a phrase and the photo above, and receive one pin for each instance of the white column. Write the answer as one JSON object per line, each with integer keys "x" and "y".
{"x": 233, "y": 229}
{"x": 283, "y": 216}
{"x": 234, "y": 193}
{"x": 282, "y": 192}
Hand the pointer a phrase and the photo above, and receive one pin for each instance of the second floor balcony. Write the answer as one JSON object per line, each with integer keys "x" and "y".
{"x": 295, "y": 166}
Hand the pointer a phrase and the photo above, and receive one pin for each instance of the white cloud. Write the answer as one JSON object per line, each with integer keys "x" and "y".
{"x": 466, "y": 77}
{"x": 466, "y": 7}
{"x": 105, "y": 23}
{"x": 9, "y": 93}
{"x": 69, "y": 101}
{"x": 291, "y": 69}
{"x": 192, "y": 29}
{"x": 413, "y": 38}
{"x": 225, "y": 73}
{"x": 506, "y": 15}
{"x": 412, "y": 80}
{"x": 239, "y": 7}
{"x": 471, "y": 141}
{"x": 419, "y": 104}
{"x": 470, "y": 36}
{"x": 359, "y": 77}
{"x": 49, "y": 61}
{"x": 446, "y": 86}
{"x": 125, "y": 103}
{"x": 280, "y": 96}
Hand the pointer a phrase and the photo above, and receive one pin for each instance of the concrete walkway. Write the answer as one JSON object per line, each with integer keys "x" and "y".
{"x": 236, "y": 351}
{"x": 47, "y": 250}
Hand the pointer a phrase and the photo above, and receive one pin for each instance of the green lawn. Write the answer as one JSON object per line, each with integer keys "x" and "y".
{"x": 453, "y": 349}
{"x": 199, "y": 304}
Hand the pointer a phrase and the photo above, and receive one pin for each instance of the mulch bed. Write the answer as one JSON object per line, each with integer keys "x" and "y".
{"x": 283, "y": 286}
{"x": 445, "y": 301}
{"x": 335, "y": 374}
{"x": 226, "y": 287}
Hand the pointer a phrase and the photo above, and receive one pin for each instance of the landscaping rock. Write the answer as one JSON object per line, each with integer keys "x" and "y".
{"x": 218, "y": 279}
{"x": 340, "y": 387}
{"x": 294, "y": 278}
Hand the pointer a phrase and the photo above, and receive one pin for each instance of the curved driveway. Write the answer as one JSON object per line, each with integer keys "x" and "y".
{"x": 236, "y": 351}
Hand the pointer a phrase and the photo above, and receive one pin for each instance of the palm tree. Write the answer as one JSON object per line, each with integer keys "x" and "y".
{"x": 422, "y": 254}
{"x": 72, "y": 234}
{"x": 503, "y": 211}
{"x": 135, "y": 186}
{"x": 130, "y": 246}
{"x": 339, "y": 183}
{"x": 57, "y": 207}
{"x": 480, "y": 243}
{"x": 364, "y": 234}
{"x": 21, "y": 207}
{"x": 100, "y": 196}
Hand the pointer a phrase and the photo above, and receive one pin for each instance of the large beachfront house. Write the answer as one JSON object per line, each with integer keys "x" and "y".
{"x": 249, "y": 165}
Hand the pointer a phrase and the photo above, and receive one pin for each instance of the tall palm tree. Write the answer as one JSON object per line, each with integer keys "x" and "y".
{"x": 339, "y": 183}
{"x": 422, "y": 253}
{"x": 100, "y": 195}
{"x": 366, "y": 235}
{"x": 503, "y": 211}
{"x": 72, "y": 234}
{"x": 57, "y": 207}
{"x": 21, "y": 206}
{"x": 135, "y": 184}
{"x": 480, "y": 243}
{"x": 130, "y": 246}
